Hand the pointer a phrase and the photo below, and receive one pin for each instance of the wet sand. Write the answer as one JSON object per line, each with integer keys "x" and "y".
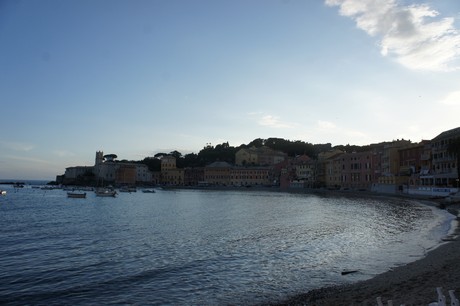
{"x": 412, "y": 284}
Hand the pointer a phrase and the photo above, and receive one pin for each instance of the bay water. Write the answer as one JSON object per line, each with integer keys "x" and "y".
{"x": 190, "y": 247}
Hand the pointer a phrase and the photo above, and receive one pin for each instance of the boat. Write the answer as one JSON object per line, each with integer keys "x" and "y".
{"x": 79, "y": 195}
{"x": 128, "y": 189}
{"x": 148, "y": 191}
{"x": 2, "y": 192}
{"x": 104, "y": 192}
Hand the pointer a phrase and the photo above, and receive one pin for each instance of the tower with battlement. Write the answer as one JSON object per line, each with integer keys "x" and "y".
{"x": 99, "y": 157}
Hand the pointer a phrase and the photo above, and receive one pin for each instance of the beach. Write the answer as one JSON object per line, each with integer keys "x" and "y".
{"x": 412, "y": 284}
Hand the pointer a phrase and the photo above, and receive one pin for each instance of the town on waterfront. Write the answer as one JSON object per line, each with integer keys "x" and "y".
{"x": 429, "y": 167}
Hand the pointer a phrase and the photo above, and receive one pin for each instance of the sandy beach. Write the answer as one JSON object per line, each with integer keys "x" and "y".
{"x": 412, "y": 284}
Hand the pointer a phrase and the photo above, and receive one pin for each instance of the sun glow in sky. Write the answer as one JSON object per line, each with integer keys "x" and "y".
{"x": 139, "y": 77}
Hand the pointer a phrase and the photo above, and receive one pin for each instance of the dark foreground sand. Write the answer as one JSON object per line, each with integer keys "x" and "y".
{"x": 413, "y": 284}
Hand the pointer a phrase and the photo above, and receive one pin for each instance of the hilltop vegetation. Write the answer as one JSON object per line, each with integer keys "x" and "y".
{"x": 226, "y": 152}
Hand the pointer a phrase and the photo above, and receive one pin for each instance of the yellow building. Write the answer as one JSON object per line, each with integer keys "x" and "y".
{"x": 170, "y": 174}
{"x": 262, "y": 156}
{"x": 172, "y": 177}
{"x": 218, "y": 173}
{"x": 168, "y": 162}
{"x": 252, "y": 176}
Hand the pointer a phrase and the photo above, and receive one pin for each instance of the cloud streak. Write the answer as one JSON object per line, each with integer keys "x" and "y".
{"x": 274, "y": 122}
{"x": 29, "y": 159}
{"x": 17, "y": 146}
{"x": 413, "y": 35}
{"x": 452, "y": 99}
{"x": 63, "y": 153}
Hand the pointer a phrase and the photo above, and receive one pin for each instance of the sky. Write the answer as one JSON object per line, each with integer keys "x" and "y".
{"x": 135, "y": 78}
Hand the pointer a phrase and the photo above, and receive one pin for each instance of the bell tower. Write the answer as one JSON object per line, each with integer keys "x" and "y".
{"x": 99, "y": 157}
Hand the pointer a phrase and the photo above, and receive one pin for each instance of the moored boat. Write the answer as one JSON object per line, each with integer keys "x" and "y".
{"x": 2, "y": 192}
{"x": 79, "y": 195}
{"x": 103, "y": 192}
{"x": 148, "y": 191}
{"x": 128, "y": 189}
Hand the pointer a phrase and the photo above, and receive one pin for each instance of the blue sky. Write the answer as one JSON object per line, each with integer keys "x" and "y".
{"x": 139, "y": 77}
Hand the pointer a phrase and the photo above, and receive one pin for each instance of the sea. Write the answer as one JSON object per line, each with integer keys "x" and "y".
{"x": 201, "y": 247}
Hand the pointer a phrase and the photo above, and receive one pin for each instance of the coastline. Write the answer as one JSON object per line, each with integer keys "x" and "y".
{"x": 411, "y": 284}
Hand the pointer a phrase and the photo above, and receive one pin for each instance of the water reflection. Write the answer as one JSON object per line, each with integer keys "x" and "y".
{"x": 198, "y": 247}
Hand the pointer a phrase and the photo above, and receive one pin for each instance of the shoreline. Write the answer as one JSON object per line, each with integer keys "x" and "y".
{"x": 412, "y": 284}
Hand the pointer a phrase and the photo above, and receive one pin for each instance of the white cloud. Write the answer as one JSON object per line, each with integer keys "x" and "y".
{"x": 326, "y": 125}
{"x": 273, "y": 121}
{"x": 452, "y": 99}
{"x": 326, "y": 131}
{"x": 412, "y": 34}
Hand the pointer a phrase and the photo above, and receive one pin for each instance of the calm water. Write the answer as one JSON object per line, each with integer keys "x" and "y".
{"x": 199, "y": 247}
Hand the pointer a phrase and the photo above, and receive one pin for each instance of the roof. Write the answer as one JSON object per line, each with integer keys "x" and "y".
{"x": 449, "y": 134}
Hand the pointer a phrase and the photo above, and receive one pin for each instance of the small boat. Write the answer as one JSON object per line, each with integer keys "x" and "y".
{"x": 79, "y": 195}
{"x": 148, "y": 191}
{"x": 128, "y": 189}
{"x": 105, "y": 192}
{"x": 2, "y": 192}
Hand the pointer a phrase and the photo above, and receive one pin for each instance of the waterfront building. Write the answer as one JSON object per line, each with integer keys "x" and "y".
{"x": 357, "y": 170}
{"x": 143, "y": 174}
{"x": 410, "y": 158}
{"x": 168, "y": 162}
{"x": 282, "y": 174}
{"x": 193, "y": 176}
{"x": 333, "y": 170}
{"x": 170, "y": 174}
{"x": 390, "y": 157}
{"x": 390, "y": 179}
{"x": 444, "y": 163}
{"x": 410, "y": 163}
{"x": 329, "y": 169}
{"x": 425, "y": 162}
{"x": 125, "y": 174}
{"x": 156, "y": 177}
{"x": 172, "y": 177}
{"x": 73, "y": 174}
{"x": 107, "y": 170}
{"x": 217, "y": 173}
{"x": 305, "y": 169}
{"x": 250, "y": 176}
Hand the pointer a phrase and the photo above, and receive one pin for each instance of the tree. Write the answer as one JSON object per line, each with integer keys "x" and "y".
{"x": 221, "y": 152}
{"x": 259, "y": 142}
{"x": 176, "y": 154}
{"x": 159, "y": 155}
{"x": 154, "y": 164}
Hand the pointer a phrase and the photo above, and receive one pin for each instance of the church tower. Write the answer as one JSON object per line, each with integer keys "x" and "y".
{"x": 99, "y": 157}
